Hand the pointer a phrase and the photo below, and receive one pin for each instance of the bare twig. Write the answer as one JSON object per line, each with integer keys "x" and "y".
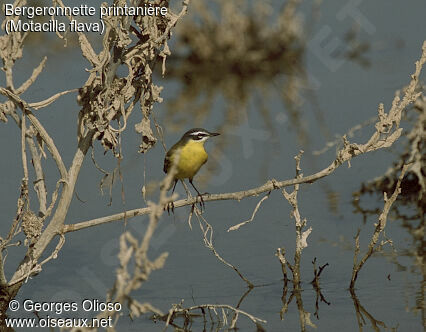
{"x": 39, "y": 183}
{"x": 235, "y": 227}
{"x": 3, "y": 280}
{"x": 48, "y": 101}
{"x": 207, "y": 231}
{"x": 301, "y": 235}
{"x": 379, "y": 228}
{"x": 281, "y": 256}
{"x": 31, "y": 267}
{"x": 36, "y": 72}
{"x": 23, "y": 151}
{"x": 40, "y": 129}
{"x": 317, "y": 273}
{"x": 350, "y": 133}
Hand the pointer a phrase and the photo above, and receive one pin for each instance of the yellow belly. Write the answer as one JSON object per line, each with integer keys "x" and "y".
{"x": 192, "y": 157}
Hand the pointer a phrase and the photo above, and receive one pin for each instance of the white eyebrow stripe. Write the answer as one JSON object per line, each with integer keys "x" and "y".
{"x": 196, "y": 133}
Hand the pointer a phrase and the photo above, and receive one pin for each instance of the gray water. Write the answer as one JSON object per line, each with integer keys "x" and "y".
{"x": 250, "y": 154}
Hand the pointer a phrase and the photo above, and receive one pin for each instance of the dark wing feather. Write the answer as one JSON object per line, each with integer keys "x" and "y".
{"x": 167, "y": 163}
{"x": 168, "y": 160}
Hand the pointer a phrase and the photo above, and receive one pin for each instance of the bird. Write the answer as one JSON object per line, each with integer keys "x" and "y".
{"x": 190, "y": 155}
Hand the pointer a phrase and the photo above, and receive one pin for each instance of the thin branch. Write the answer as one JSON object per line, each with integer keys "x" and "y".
{"x": 32, "y": 267}
{"x": 39, "y": 183}
{"x": 54, "y": 254}
{"x": 48, "y": 101}
{"x": 235, "y": 227}
{"x": 40, "y": 129}
{"x": 208, "y": 241}
{"x": 36, "y": 72}
{"x": 301, "y": 235}
{"x": 350, "y": 133}
{"x": 281, "y": 256}
{"x": 53, "y": 199}
{"x": 23, "y": 150}
{"x": 3, "y": 280}
{"x": 22, "y": 201}
{"x": 380, "y": 226}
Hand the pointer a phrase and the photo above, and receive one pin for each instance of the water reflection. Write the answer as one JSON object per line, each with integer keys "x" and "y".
{"x": 411, "y": 203}
{"x": 362, "y": 315}
{"x": 225, "y": 53}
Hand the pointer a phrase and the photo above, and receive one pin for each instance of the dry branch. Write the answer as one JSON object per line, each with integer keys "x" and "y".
{"x": 379, "y": 228}
{"x": 48, "y": 101}
{"x": 235, "y": 227}
{"x": 207, "y": 231}
{"x": 40, "y": 129}
{"x": 36, "y": 72}
{"x": 301, "y": 234}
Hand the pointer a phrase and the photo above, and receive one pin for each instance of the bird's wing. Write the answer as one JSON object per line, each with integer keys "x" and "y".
{"x": 167, "y": 163}
{"x": 168, "y": 159}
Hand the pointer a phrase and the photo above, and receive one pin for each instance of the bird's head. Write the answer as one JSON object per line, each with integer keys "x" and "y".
{"x": 198, "y": 135}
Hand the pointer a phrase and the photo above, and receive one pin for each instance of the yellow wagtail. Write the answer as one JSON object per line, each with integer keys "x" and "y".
{"x": 192, "y": 155}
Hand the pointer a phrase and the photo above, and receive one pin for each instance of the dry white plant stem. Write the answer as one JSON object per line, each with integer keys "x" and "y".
{"x": 207, "y": 231}
{"x": 235, "y": 227}
{"x": 379, "y": 229}
{"x": 301, "y": 234}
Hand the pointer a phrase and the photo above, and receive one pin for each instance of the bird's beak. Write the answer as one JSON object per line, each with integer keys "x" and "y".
{"x": 214, "y": 134}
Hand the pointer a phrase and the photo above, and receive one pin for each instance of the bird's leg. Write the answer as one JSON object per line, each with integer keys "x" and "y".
{"x": 188, "y": 192}
{"x": 202, "y": 205}
{"x": 174, "y": 186}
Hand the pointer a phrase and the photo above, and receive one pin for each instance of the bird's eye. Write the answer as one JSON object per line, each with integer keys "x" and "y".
{"x": 197, "y": 137}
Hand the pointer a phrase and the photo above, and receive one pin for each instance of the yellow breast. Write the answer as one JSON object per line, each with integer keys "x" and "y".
{"x": 192, "y": 157}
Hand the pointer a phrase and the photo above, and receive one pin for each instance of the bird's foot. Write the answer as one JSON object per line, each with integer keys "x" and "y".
{"x": 200, "y": 200}
{"x": 170, "y": 206}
